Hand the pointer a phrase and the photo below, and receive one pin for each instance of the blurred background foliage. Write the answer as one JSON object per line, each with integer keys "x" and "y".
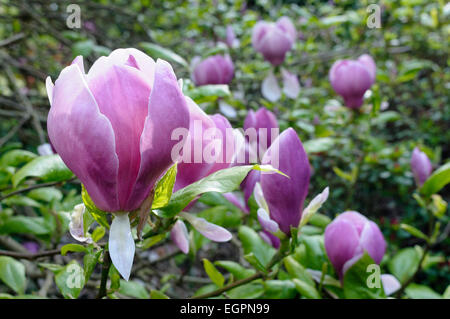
{"x": 367, "y": 168}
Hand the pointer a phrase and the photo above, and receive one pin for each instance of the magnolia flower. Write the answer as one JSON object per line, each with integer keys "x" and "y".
{"x": 352, "y": 78}
{"x": 112, "y": 127}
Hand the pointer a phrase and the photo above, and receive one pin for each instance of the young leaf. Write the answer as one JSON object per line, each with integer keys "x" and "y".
{"x": 306, "y": 290}
{"x": 73, "y": 248}
{"x": 12, "y": 273}
{"x": 48, "y": 168}
{"x": 436, "y": 181}
{"x": 212, "y": 272}
{"x": 222, "y": 181}
{"x": 133, "y": 289}
{"x": 253, "y": 243}
{"x": 164, "y": 188}
{"x": 70, "y": 280}
{"x": 358, "y": 281}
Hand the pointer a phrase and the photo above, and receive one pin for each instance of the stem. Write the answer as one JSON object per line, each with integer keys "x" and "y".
{"x": 105, "y": 272}
{"x": 427, "y": 247}
{"x": 275, "y": 259}
{"x": 26, "y": 189}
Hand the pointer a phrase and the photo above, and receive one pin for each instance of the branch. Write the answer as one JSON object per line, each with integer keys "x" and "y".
{"x": 105, "y": 271}
{"x": 30, "y": 256}
{"x": 26, "y": 189}
{"x": 275, "y": 259}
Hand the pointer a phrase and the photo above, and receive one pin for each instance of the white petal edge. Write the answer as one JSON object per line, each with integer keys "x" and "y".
{"x": 259, "y": 197}
{"x": 76, "y": 225}
{"x": 291, "y": 86}
{"x": 265, "y": 221}
{"x": 390, "y": 284}
{"x": 180, "y": 236}
{"x": 49, "y": 87}
{"x": 314, "y": 206}
{"x": 121, "y": 245}
{"x": 270, "y": 88}
{"x": 207, "y": 229}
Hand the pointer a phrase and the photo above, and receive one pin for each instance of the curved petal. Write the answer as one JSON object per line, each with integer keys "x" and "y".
{"x": 49, "y": 87}
{"x": 180, "y": 236}
{"x": 291, "y": 86}
{"x": 285, "y": 195}
{"x": 121, "y": 245}
{"x": 265, "y": 221}
{"x": 270, "y": 88}
{"x": 167, "y": 111}
{"x": 341, "y": 243}
{"x": 84, "y": 138}
{"x": 207, "y": 229}
{"x": 390, "y": 284}
{"x": 192, "y": 166}
{"x": 79, "y": 61}
{"x": 122, "y": 93}
{"x": 373, "y": 242}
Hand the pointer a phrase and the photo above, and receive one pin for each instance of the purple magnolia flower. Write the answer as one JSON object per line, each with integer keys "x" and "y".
{"x": 352, "y": 78}
{"x": 193, "y": 165}
{"x": 421, "y": 166}
{"x": 112, "y": 126}
{"x": 274, "y": 40}
{"x": 348, "y": 236}
{"x": 285, "y": 195}
{"x": 216, "y": 69}
{"x": 264, "y": 123}
{"x": 231, "y": 40}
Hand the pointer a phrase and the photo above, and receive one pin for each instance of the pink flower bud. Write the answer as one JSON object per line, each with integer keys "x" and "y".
{"x": 274, "y": 40}
{"x": 348, "y": 236}
{"x": 352, "y": 78}
{"x": 112, "y": 126}
{"x": 216, "y": 69}
{"x": 420, "y": 166}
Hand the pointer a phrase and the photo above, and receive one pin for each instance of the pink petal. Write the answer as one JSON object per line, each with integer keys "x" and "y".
{"x": 84, "y": 138}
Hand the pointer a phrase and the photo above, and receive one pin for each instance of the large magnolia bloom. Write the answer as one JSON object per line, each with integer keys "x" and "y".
{"x": 112, "y": 127}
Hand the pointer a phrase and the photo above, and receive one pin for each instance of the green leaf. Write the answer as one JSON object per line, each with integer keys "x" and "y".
{"x": 24, "y": 225}
{"x": 156, "y": 51}
{"x": 72, "y": 248}
{"x": 15, "y": 158}
{"x": 438, "y": 206}
{"x": 45, "y": 194}
{"x": 90, "y": 260}
{"x": 253, "y": 243}
{"x": 70, "y": 280}
{"x": 212, "y": 272}
{"x": 237, "y": 270}
{"x": 133, "y": 289}
{"x": 97, "y": 214}
{"x": 358, "y": 280}
{"x": 314, "y": 252}
{"x": 249, "y": 291}
{"x": 164, "y": 188}
{"x": 319, "y": 220}
{"x": 446, "y": 294}
{"x": 414, "y": 231}
{"x": 21, "y": 201}
{"x": 296, "y": 270}
{"x": 156, "y": 294}
{"x": 98, "y": 233}
{"x": 279, "y": 289}
{"x": 415, "y": 291}
{"x": 436, "y": 181}
{"x": 319, "y": 145}
{"x": 12, "y": 273}
{"x": 206, "y": 93}
{"x": 222, "y": 181}
{"x": 252, "y": 260}
{"x": 306, "y": 290}
{"x": 149, "y": 242}
{"x": 404, "y": 264}
{"x": 48, "y": 168}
